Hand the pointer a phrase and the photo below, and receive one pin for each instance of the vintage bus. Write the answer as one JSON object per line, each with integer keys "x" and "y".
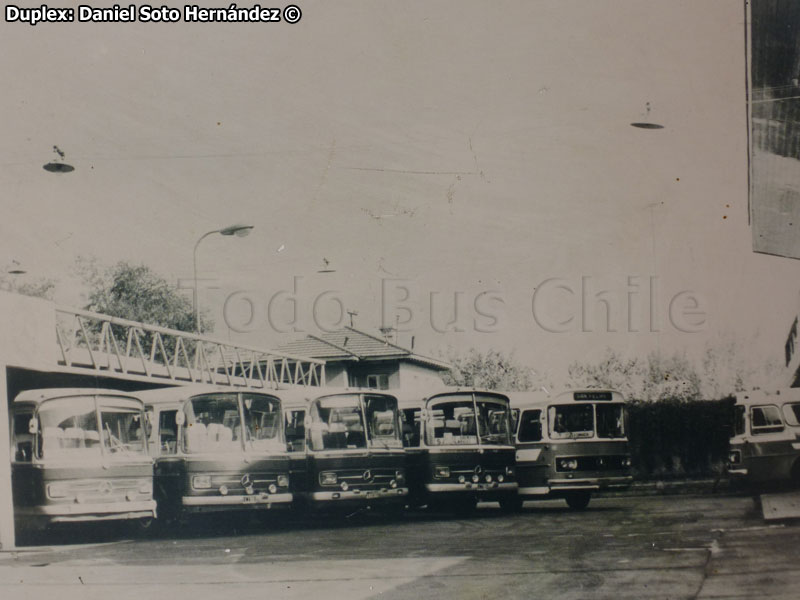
{"x": 217, "y": 449}
{"x": 765, "y": 442}
{"x": 570, "y": 445}
{"x": 79, "y": 455}
{"x": 346, "y": 449}
{"x": 459, "y": 449}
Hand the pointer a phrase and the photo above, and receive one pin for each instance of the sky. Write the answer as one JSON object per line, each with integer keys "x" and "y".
{"x": 467, "y": 169}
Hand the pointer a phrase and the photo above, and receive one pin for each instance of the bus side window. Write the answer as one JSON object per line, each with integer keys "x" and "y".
{"x": 530, "y": 427}
{"x": 295, "y": 431}
{"x": 167, "y": 432}
{"x": 22, "y": 449}
{"x": 411, "y": 425}
{"x": 791, "y": 412}
{"x": 765, "y": 419}
{"x": 738, "y": 420}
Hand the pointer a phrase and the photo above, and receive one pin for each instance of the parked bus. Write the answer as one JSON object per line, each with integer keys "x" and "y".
{"x": 79, "y": 455}
{"x": 346, "y": 449}
{"x": 765, "y": 442}
{"x": 570, "y": 445}
{"x": 459, "y": 449}
{"x": 217, "y": 449}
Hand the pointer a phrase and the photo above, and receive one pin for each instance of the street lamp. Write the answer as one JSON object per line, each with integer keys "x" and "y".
{"x": 238, "y": 231}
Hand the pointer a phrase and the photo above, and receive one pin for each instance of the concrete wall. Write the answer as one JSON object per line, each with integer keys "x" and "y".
{"x": 27, "y": 338}
{"x": 418, "y": 376}
{"x": 336, "y": 374}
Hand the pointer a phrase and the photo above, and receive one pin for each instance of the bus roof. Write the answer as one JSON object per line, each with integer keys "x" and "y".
{"x": 183, "y": 392}
{"x": 781, "y": 396}
{"x": 40, "y": 395}
{"x": 413, "y": 398}
{"x": 306, "y": 395}
{"x": 542, "y": 398}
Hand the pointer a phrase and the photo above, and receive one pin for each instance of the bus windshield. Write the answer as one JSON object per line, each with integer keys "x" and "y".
{"x": 262, "y": 418}
{"x": 213, "y": 424}
{"x": 610, "y": 420}
{"x": 573, "y": 421}
{"x": 452, "y": 420}
{"x": 337, "y": 422}
{"x": 69, "y": 428}
{"x": 382, "y": 419}
{"x": 493, "y": 421}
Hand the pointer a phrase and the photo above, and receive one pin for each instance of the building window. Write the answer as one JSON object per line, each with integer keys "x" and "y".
{"x": 378, "y": 382}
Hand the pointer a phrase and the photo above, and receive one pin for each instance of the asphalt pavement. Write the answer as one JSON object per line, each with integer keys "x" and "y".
{"x": 680, "y": 546}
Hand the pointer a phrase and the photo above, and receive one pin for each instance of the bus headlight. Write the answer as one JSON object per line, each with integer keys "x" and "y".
{"x": 344, "y": 486}
{"x": 441, "y": 472}
{"x": 500, "y": 478}
{"x": 476, "y": 478}
{"x": 272, "y": 488}
{"x": 328, "y": 478}
{"x": 462, "y": 479}
{"x": 510, "y": 471}
{"x": 283, "y": 481}
{"x": 223, "y": 490}
{"x": 57, "y": 490}
{"x": 735, "y": 457}
{"x": 567, "y": 464}
{"x": 400, "y": 477}
{"x": 626, "y": 461}
{"x": 393, "y": 483}
{"x": 488, "y": 478}
{"x": 201, "y": 482}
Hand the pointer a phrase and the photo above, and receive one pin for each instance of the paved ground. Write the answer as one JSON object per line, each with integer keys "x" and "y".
{"x": 621, "y": 547}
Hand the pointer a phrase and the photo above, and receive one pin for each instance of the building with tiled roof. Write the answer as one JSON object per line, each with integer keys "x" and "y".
{"x": 359, "y": 359}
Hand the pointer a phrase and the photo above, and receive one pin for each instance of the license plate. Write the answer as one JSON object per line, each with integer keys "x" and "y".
{"x": 249, "y": 499}
{"x": 372, "y": 495}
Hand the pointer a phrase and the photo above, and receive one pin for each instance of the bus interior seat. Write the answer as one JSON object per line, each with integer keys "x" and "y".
{"x": 73, "y": 437}
{"x": 356, "y": 439}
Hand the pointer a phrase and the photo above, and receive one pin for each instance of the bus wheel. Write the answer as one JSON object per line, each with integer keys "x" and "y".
{"x": 143, "y": 527}
{"x": 578, "y": 500}
{"x": 511, "y": 505}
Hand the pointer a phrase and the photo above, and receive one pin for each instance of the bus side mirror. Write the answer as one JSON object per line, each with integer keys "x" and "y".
{"x": 180, "y": 418}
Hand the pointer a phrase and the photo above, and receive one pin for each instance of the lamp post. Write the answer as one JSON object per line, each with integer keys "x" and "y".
{"x": 237, "y": 230}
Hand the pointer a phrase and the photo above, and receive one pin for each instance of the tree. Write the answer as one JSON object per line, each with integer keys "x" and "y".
{"x": 492, "y": 370}
{"x": 611, "y": 372}
{"x": 137, "y": 293}
{"x": 657, "y": 377}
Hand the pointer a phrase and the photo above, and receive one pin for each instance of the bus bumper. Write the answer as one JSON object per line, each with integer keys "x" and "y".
{"x": 360, "y": 495}
{"x": 59, "y": 513}
{"x": 435, "y": 488}
{"x": 207, "y": 503}
{"x": 559, "y": 486}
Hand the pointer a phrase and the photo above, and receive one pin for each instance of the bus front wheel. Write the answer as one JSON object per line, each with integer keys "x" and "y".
{"x": 578, "y": 500}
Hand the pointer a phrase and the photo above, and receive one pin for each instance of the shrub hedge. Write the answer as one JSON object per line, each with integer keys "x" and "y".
{"x": 679, "y": 438}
